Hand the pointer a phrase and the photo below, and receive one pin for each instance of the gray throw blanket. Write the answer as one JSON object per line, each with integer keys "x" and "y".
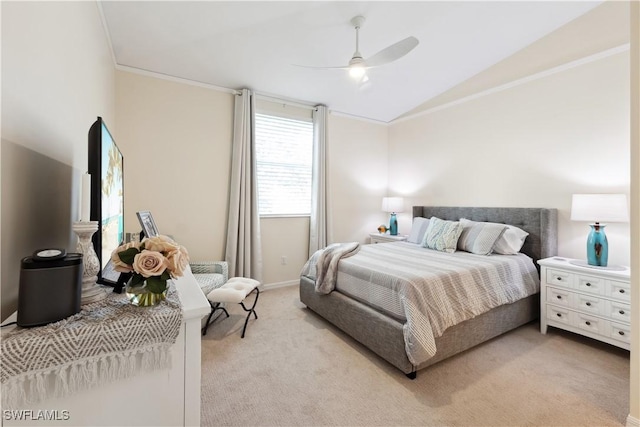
{"x": 323, "y": 264}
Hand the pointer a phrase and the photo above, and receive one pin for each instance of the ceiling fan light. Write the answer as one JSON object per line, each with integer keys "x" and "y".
{"x": 357, "y": 71}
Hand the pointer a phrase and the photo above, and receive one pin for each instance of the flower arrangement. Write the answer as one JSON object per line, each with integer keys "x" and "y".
{"x": 152, "y": 262}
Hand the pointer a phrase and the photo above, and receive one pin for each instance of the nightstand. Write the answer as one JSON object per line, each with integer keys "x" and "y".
{"x": 590, "y": 301}
{"x": 386, "y": 238}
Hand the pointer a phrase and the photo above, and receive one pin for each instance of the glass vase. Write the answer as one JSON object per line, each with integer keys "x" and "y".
{"x": 141, "y": 296}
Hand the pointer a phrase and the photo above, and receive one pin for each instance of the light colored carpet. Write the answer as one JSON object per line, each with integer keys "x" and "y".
{"x": 293, "y": 368}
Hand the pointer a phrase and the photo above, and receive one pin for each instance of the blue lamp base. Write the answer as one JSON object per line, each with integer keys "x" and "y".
{"x": 597, "y": 246}
{"x": 393, "y": 225}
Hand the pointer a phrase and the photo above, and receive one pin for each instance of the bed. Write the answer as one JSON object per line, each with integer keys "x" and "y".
{"x": 385, "y": 333}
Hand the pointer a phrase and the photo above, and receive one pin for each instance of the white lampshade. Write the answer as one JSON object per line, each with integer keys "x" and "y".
{"x": 393, "y": 204}
{"x": 599, "y": 208}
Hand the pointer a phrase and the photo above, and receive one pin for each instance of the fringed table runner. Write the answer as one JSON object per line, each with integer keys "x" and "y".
{"x": 107, "y": 341}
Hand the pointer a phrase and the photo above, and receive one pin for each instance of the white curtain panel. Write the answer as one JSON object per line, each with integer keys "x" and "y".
{"x": 243, "y": 250}
{"x": 319, "y": 219}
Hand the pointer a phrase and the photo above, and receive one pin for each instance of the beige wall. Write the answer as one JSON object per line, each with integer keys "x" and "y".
{"x": 358, "y": 176}
{"x": 57, "y": 77}
{"x": 176, "y": 143}
{"x": 286, "y": 237}
{"x": 532, "y": 145}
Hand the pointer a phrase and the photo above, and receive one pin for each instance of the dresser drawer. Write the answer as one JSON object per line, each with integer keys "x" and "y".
{"x": 559, "y": 278}
{"x": 558, "y": 314}
{"x": 618, "y": 311}
{"x": 620, "y": 332}
{"x": 619, "y": 290}
{"x": 590, "y": 304}
{"x": 559, "y": 297}
{"x": 590, "y": 284}
{"x": 590, "y": 323}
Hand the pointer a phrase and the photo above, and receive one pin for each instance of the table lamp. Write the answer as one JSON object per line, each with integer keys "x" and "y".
{"x": 596, "y": 208}
{"x": 393, "y": 205}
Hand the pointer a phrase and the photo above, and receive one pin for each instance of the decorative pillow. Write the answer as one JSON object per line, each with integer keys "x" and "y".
{"x": 418, "y": 229}
{"x": 479, "y": 237}
{"x": 511, "y": 241}
{"x": 442, "y": 235}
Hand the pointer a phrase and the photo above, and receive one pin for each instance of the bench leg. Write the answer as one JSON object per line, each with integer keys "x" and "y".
{"x": 214, "y": 307}
{"x": 250, "y": 310}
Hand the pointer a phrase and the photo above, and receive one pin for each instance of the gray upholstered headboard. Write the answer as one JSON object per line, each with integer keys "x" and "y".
{"x": 540, "y": 223}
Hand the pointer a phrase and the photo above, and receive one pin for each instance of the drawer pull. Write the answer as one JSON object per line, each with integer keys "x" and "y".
{"x": 559, "y": 296}
{"x": 559, "y": 279}
{"x": 588, "y": 304}
{"x": 621, "y": 333}
{"x": 587, "y": 323}
{"x": 559, "y": 314}
{"x": 588, "y": 284}
{"x": 621, "y": 291}
{"x": 621, "y": 311}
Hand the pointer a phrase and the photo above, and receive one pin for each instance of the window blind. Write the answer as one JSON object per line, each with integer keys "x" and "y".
{"x": 284, "y": 150}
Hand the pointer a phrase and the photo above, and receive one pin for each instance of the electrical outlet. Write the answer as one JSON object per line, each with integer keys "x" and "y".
{"x": 283, "y": 260}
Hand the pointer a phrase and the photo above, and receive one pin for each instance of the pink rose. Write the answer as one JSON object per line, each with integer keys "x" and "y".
{"x": 118, "y": 265}
{"x": 160, "y": 244}
{"x": 177, "y": 260}
{"x": 149, "y": 263}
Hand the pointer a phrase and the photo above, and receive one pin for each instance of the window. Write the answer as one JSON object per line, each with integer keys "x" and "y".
{"x": 284, "y": 152}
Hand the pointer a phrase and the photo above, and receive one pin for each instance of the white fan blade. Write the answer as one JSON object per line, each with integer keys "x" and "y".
{"x": 393, "y": 52}
{"x": 322, "y": 68}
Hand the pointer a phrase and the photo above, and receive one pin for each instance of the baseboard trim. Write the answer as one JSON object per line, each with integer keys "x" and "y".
{"x": 632, "y": 421}
{"x": 268, "y": 286}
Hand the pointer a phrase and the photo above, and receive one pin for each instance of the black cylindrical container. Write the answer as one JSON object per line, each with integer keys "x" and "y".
{"x": 50, "y": 290}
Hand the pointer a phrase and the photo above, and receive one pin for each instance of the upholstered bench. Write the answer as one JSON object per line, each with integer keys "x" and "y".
{"x": 234, "y": 291}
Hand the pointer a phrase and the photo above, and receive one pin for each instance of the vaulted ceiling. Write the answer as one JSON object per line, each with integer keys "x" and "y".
{"x": 258, "y": 45}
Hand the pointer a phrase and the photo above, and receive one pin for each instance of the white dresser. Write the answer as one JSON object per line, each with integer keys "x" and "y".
{"x": 168, "y": 397}
{"x": 591, "y": 301}
{"x": 385, "y": 238}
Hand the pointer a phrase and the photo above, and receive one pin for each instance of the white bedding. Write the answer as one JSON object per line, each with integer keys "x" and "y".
{"x": 433, "y": 290}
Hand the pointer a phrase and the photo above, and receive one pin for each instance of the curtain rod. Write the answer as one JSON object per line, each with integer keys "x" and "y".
{"x": 282, "y": 101}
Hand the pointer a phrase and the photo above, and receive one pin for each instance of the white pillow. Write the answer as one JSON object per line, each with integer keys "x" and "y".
{"x": 418, "y": 229}
{"x": 511, "y": 240}
{"x": 479, "y": 237}
{"x": 442, "y": 235}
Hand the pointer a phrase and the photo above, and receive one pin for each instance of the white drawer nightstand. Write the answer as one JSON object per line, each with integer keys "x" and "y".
{"x": 385, "y": 238}
{"x": 591, "y": 301}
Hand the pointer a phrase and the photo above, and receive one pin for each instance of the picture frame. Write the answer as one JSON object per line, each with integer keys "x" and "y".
{"x": 147, "y": 223}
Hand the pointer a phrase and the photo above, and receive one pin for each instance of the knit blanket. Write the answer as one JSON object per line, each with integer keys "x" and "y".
{"x": 323, "y": 264}
{"x": 106, "y": 341}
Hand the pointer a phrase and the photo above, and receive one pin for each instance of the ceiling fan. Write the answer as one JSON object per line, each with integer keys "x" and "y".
{"x": 358, "y": 64}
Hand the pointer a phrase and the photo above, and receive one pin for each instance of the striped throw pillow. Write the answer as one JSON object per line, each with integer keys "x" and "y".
{"x": 479, "y": 237}
{"x": 418, "y": 230}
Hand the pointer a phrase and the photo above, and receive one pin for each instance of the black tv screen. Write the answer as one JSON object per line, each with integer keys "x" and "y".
{"x": 106, "y": 166}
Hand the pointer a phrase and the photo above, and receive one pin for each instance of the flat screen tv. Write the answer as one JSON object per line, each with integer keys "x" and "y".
{"x": 106, "y": 166}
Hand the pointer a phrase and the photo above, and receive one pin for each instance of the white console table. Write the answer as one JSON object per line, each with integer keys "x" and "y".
{"x": 160, "y": 398}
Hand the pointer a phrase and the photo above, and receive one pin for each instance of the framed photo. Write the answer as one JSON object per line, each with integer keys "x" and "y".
{"x": 147, "y": 223}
